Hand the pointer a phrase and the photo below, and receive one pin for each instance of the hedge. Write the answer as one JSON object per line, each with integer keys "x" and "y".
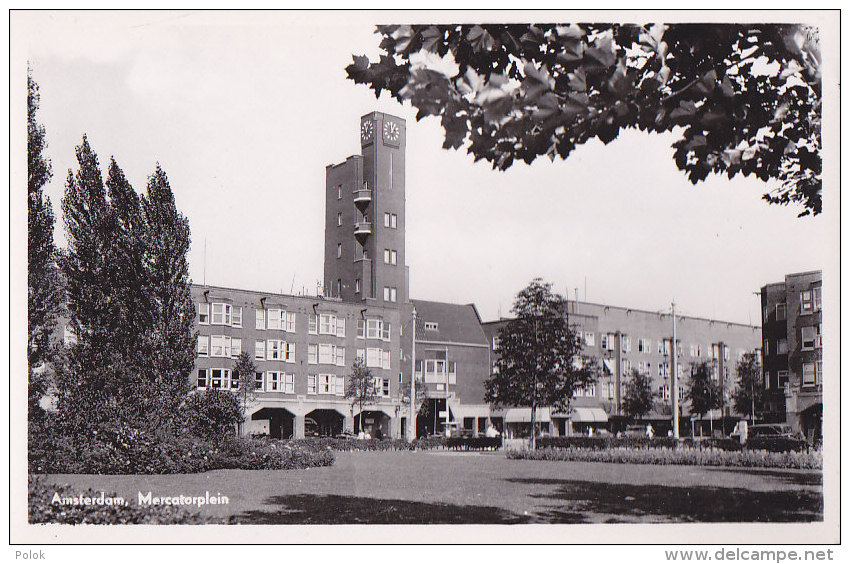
{"x": 42, "y": 509}
{"x": 474, "y": 443}
{"x": 678, "y": 456}
{"x": 133, "y": 451}
{"x": 344, "y": 444}
{"x": 601, "y": 443}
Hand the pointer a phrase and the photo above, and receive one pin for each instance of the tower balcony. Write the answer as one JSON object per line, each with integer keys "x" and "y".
{"x": 363, "y": 228}
{"x": 362, "y": 196}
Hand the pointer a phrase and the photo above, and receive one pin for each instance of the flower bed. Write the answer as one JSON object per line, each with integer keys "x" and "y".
{"x": 682, "y": 455}
{"x": 42, "y": 509}
{"x": 602, "y": 443}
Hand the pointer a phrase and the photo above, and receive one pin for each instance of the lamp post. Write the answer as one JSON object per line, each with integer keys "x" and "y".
{"x": 411, "y": 426}
{"x": 673, "y": 380}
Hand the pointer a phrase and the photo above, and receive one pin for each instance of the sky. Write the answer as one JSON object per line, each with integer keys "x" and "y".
{"x": 244, "y": 111}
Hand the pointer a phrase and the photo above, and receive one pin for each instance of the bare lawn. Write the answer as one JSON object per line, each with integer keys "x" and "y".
{"x": 484, "y": 488}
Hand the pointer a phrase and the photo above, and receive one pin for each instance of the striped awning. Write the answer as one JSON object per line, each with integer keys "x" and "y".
{"x": 588, "y": 415}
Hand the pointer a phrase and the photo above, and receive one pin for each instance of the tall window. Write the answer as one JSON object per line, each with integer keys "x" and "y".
{"x": 203, "y": 345}
{"x": 202, "y": 379}
{"x": 260, "y": 350}
{"x": 311, "y": 383}
{"x": 806, "y": 303}
{"x": 222, "y": 314}
{"x": 780, "y": 312}
{"x": 261, "y": 319}
{"x": 816, "y": 298}
{"x": 357, "y": 286}
{"x": 339, "y": 219}
{"x": 808, "y": 373}
{"x": 338, "y": 250}
{"x": 808, "y": 335}
{"x": 204, "y": 314}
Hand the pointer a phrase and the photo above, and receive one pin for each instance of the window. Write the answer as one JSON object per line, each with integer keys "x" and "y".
{"x": 393, "y": 257}
{"x": 816, "y": 298}
{"x": 339, "y": 354}
{"x": 589, "y": 339}
{"x": 235, "y": 347}
{"x": 313, "y": 329}
{"x": 338, "y": 250}
{"x": 375, "y": 358}
{"x": 715, "y": 351}
{"x": 386, "y": 219}
{"x": 393, "y": 221}
{"x": 389, "y": 294}
{"x": 220, "y": 345}
{"x": 361, "y": 328}
{"x": 385, "y": 332}
{"x": 339, "y": 192}
{"x": 325, "y": 383}
{"x": 431, "y": 326}
{"x": 289, "y": 383}
{"x": 766, "y": 347}
{"x": 220, "y": 378}
{"x": 357, "y": 286}
{"x": 386, "y": 256}
{"x": 204, "y": 314}
{"x": 808, "y": 374}
{"x": 312, "y": 354}
{"x": 328, "y": 324}
{"x": 382, "y": 387}
{"x": 311, "y": 383}
{"x": 326, "y": 354}
{"x": 644, "y": 346}
{"x": 202, "y": 379}
{"x": 819, "y": 337}
{"x": 203, "y": 345}
{"x": 273, "y": 381}
{"x": 385, "y": 360}
{"x": 783, "y": 378}
{"x": 339, "y": 386}
{"x": 340, "y": 327}
{"x": 808, "y": 335}
{"x": 261, "y": 319}
{"x": 626, "y": 343}
{"x": 237, "y": 316}
{"x": 273, "y": 318}
{"x": 806, "y": 301}
{"x": 726, "y": 352}
{"x": 780, "y": 312}
{"x": 274, "y": 351}
{"x": 495, "y": 343}
{"x": 782, "y": 346}
{"x": 373, "y": 328}
{"x": 610, "y": 390}
{"x": 222, "y": 314}
{"x": 258, "y": 381}
{"x": 339, "y": 218}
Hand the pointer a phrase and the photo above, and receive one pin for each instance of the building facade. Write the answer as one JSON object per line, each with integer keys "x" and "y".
{"x": 620, "y": 340}
{"x": 792, "y": 348}
{"x": 303, "y": 348}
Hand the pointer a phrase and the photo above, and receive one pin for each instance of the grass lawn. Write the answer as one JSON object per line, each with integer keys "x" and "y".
{"x": 448, "y": 487}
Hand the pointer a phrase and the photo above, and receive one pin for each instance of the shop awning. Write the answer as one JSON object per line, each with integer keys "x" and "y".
{"x": 588, "y": 415}
{"x": 523, "y": 415}
{"x": 609, "y": 365}
{"x": 480, "y": 411}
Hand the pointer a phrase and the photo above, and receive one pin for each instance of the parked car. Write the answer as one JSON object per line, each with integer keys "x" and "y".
{"x": 772, "y": 430}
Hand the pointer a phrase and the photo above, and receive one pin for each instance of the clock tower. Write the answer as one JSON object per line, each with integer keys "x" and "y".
{"x": 365, "y": 217}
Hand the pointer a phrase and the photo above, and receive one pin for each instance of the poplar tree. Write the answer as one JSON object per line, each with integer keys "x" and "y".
{"x": 703, "y": 392}
{"x": 44, "y": 284}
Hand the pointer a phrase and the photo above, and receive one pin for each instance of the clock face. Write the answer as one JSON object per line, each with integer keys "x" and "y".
{"x": 366, "y": 131}
{"x": 391, "y": 131}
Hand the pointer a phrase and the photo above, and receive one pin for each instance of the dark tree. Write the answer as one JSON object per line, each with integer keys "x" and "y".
{"x": 244, "y": 372}
{"x": 637, "y": 400}
{"x": 749, "y": 397}
{"x": 128, "y": 294}
{"x": 540, "y": 362}
{"x": 213, "y": 414}
{"x": 519, "y": 91}
{"x": 360, "y": 388}
{"x": 702, "y": 391}
{"x": 44, "y": 284}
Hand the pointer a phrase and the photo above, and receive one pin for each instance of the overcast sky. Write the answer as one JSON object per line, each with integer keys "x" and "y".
{"x": 244, "y": 111}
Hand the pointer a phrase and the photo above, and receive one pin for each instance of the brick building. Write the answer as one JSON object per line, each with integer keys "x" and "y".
{"x": 792, "y": 349}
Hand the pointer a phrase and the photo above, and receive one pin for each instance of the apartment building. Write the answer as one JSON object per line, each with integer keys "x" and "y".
{"x": 792, "y": 348}
{"x": 620, "y": 340}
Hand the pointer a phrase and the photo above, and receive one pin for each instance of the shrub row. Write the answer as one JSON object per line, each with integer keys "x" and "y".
{"x": 43, "y": 510}
{"x": 128, "y": 450}
{"x": 770, "y": 444}
{"x": 353, "y": 444}
{"x": 682, "y": 455}
{"x": 601, "y": 443}
{"x": 474, "y": 443}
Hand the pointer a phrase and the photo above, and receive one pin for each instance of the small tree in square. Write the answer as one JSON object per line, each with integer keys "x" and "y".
{"x": 702, "y": 391}
{"x": 749, "y": 396}
{"x": 360, "y": 389}
{"x": 637, "y": 400}
{"x": 244, "y": 373}
{"x": 540, "y": 362}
